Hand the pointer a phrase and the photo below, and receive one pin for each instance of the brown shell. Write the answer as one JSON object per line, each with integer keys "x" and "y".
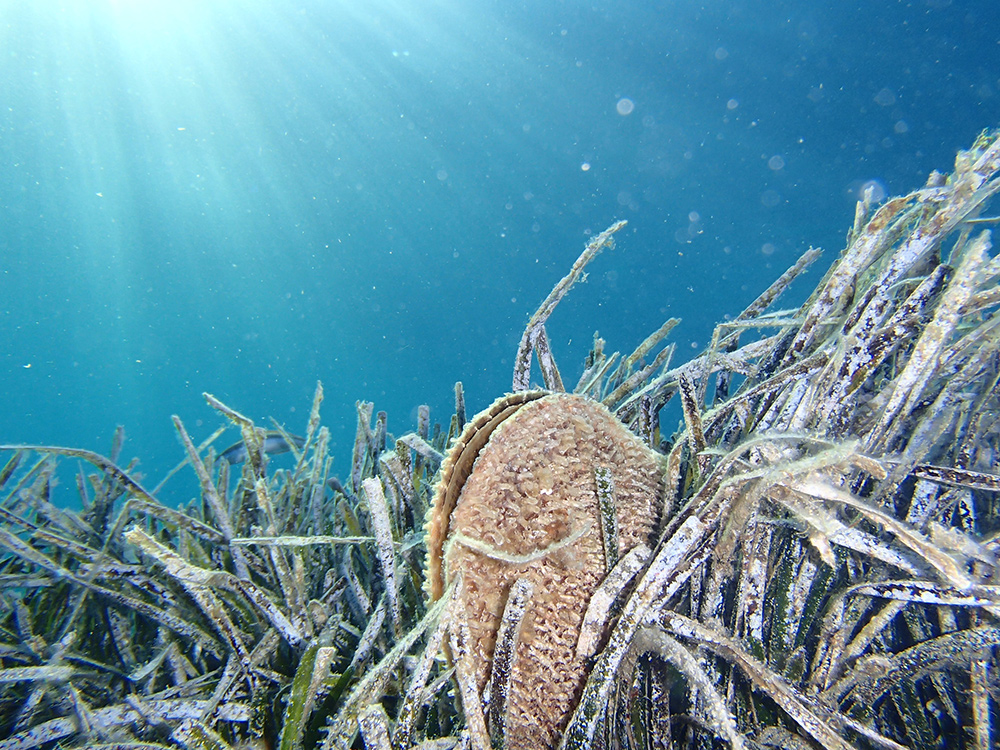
{"x": 520, "y": 481}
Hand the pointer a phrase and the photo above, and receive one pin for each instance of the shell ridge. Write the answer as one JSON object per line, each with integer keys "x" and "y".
{"x": 455, "y": 470}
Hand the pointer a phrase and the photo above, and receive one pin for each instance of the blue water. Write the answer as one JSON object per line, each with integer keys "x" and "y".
{"x": 247, "y": 197}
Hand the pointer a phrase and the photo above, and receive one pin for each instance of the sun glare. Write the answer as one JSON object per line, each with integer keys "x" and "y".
{"x": 149, "y": 15}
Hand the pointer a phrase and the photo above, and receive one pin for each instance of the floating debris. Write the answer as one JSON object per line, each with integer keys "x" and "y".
{"x": 811, "y": 560}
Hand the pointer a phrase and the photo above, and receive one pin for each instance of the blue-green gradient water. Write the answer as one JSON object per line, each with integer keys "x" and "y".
{"x": 247, "y": 197}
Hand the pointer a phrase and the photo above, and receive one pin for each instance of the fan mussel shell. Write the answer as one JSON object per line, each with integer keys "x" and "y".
{"x": 517, "y": 499}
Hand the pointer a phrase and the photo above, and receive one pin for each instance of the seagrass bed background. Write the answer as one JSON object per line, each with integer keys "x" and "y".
{"x": 809, "y": 561}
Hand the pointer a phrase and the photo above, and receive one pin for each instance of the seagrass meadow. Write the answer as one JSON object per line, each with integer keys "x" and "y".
{"x": 809, "y": 561}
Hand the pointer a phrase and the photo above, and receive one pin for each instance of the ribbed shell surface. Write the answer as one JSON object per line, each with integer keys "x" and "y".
{"x": 518, "y": 499}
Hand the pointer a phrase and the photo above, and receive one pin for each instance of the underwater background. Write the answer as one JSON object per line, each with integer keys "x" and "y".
{"x": 247, "y": 197}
